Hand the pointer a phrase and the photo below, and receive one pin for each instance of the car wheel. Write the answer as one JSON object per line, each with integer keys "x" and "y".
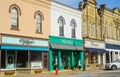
{"x": 114, "y": 67}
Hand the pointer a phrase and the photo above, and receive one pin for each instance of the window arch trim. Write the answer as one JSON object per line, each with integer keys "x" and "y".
{"x": 16, "y": 7}
{"x": 40, "y": 13}
{"x": 61, "y": 18}
{"x": 73, "y": 21}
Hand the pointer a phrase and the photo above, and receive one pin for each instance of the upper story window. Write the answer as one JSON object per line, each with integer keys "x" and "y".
{"x": 92, "y": 29}
{"x": 98, "y": 30}
{"x": 15, "y": 12}
{"x": 61, "y": 22}
{"x": 119, "y": 33}
{"x": 73, "y": 30}
{"x": 84, "y": 27}
{"x": 111, "y": 31}
{"x": 105, "y": 29}
{"x": 39, "y": 17}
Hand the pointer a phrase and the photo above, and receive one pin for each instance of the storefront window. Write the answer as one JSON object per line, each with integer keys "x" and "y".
{"x": 63, "y": 59}
{"x": 8, "y": 59}
{"x": 36, "y": 59}
{"x": 22, "y": 59}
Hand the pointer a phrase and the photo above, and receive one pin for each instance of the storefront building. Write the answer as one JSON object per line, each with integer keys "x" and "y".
{"x": 65, "y": 53}
{"x": 114, "y": 52}
{"x": 66, "y": 44}
{"x": 23, "y": 53}
{"x": 95, "y": 55}
{"x": 24, "y": 36}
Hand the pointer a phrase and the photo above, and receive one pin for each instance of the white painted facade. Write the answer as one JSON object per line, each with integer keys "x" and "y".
{"x": 68, "y": 13}
{"x": 113, "y": 53}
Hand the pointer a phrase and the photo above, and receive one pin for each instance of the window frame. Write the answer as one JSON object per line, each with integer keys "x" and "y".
{"x": 18, "y": 10}
{"x": 61, "y": 28}
{"x": 73, "y": 28}
{"x": 41, "y": 21}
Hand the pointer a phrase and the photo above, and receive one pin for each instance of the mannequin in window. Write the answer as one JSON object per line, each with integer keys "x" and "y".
{"x": 79, "y": 64}
{"x": 10, "y": 59}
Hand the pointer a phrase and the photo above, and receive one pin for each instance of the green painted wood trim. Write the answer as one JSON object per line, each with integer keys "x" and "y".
{"x": 50, "y": 60}
{"x": 58, "y": 59}
{"x": 82, "y": 60}
{"x": 67, "y": 41}
{"x": 72, "y": 58}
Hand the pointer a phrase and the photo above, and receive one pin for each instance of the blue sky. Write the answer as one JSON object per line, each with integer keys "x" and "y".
{"x": 109, "y": 3}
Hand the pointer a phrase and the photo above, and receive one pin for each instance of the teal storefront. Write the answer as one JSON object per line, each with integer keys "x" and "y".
{"x": 18, "y": 53}
{"x": 65, "y": 53}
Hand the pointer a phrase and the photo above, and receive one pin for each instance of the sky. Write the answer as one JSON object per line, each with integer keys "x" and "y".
{"x": 109, "y": 3}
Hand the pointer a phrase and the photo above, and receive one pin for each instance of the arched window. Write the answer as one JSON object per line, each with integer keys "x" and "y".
{"x": 61, "y": 22}
{"x": 98, "y": 30}
{"x": 119, "y": 33}
{"x": 105, "y": 29}
{"x": 111, "y": 31}
{"x": 73, "y": 30}
{"x": 90, "y": 32}
{"x": 15, "y": 12}
{"x": 84, "y": 26}
{"x": 39, "y": 17}
{"x": 92, "y": 29}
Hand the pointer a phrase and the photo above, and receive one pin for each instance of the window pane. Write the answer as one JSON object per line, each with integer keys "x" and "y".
{"x": 38, "y": 23}
{"x": 61, "y": 30}
{"x": 14, "y": 19}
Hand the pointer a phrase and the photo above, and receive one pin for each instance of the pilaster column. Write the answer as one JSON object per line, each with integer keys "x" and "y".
{"x": 72, "y": 58}
{"x": 50, "y": 60}
{"x": 59, "y": 59}
{"x": 82, "y": 60}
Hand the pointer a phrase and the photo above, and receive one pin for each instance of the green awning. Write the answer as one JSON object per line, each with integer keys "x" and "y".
{"x": 66, "y": 47}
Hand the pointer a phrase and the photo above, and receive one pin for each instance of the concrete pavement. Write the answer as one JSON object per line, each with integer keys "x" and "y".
{"x": 62, "y": 73}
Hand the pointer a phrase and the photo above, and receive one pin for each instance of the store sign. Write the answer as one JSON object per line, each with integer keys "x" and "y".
{"x": 94, "y": 44}
{"x": 67, "y": 42}
{"x": 26, "y": 41}
{"x": 23, "y": 41}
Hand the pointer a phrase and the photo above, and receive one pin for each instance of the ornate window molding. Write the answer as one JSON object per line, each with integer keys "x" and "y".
{"x": 73, "y": 25}
{"x": 84, "y": 27}
{"x": 15, "y": 6}
{"x": 98, "y": 30}
{"x": 61, "y": 18}
{"x": 15, "y": 13}
{"x": 39, "y": 17}
{"x": 111, "y": 31}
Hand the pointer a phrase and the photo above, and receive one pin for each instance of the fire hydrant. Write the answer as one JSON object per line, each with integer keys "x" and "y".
{"x": 56, "y": 70}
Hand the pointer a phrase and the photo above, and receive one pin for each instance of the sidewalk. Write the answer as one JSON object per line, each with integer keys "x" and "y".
{"x": 62, "y": 73}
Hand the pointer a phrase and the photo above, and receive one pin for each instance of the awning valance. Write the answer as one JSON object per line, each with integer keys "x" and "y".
{"x": 113, "y": 46}
{"x": 24, "y": 48}
{"x": 66, "y": 47}
{"x": 95, "y": 50}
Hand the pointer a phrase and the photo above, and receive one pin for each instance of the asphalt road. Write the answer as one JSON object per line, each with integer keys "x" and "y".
{"x": 109, "y": 73}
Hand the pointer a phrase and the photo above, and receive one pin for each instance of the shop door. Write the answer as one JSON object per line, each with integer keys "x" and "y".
{"x": 10, "y": 61}
{"x": 45, "y": 60}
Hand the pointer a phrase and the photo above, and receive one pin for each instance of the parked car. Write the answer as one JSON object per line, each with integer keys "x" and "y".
{"x": 113, "y": 65}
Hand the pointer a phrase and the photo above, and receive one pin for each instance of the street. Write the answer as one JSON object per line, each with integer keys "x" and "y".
{"x": 88, "y": 73}
{"x": 109, "y": 73}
